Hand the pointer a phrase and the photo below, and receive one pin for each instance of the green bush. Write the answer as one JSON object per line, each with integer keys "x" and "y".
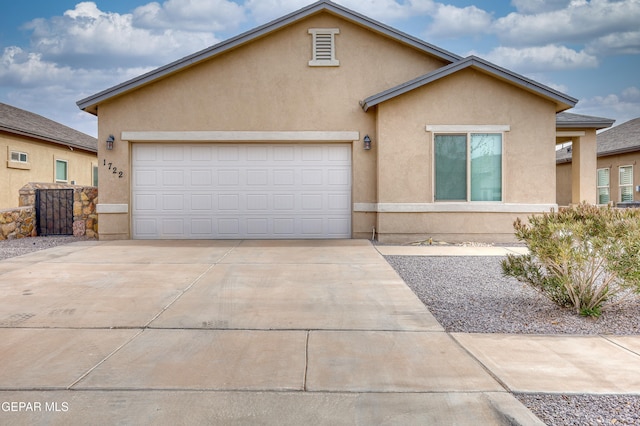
{"x": 585, "y": 257}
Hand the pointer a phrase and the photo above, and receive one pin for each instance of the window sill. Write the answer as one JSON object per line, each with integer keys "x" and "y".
{"x": 444, "y": 207}
{"x": 333, "y": 63}
{"x": 18, "y": 165}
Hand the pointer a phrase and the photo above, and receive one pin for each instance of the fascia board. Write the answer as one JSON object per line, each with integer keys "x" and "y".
{"x": 477, "y": 63}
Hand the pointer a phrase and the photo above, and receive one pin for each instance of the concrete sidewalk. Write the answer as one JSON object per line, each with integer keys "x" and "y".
{"x": 447, "y": 250}
{"x": 268, "y": 332}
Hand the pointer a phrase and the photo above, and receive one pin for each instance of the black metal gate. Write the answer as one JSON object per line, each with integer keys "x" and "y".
{"x": 54, "y": 211}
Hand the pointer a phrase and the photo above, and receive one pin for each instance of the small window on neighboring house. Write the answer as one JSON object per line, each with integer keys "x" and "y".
{"x": 19, "y": 157}
{"x": 94, "y": 175}
{"x": 61, "y": 171}
{"x": 603, "y": 186}
{"x": 468, "y": 167}
{"x": 626, "y": 183}
{"x": 324, "y": 47}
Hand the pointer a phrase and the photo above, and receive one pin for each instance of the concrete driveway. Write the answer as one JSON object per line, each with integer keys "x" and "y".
{"x": 230, "y": 332}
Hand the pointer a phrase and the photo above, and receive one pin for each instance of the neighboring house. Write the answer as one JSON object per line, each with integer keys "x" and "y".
{"x": 617, "y": 178}
{"x": 327, "y": 124}
{"x": 36, "y": 149}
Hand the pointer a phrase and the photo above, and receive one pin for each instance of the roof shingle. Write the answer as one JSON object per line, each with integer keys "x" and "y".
{"x": 18, "y": 121}
{"x": 617, "y": 140}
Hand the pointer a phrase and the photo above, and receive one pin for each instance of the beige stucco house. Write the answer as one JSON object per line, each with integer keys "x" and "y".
{"x": 617, "y": 178}
{"x": 327, "y": 124}
{"x": 36, "y": 149}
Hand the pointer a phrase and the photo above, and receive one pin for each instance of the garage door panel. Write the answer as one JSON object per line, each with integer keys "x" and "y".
{"x": 172, "y": 227}
{"x": 228, "y": 202}
{"x": 201, "y": 177}
{"x": 202, "y": 202}
{"x": 228, "y": 153}
{"x": 146, "y": 177}
{"x": 338, "y": 202}
{"x": 241, "y": 191}
{"x": 258, "y": 202}
{"x": 172, "y": 153}
{"x": 228, "y": 177}
{"x": 173, "y": 202}
{"x": 202, "y": 227}
{"x": 229, "y": 226}
{"x": 200, "y": 153}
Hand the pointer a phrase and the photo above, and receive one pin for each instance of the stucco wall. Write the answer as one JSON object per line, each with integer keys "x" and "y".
{"x": 613, "y": 162}
{"x": 41, "y": 167}
{"x": 563, "y": 184}
{"x": 266, "y": 85}
{"x": 468, "y": 97}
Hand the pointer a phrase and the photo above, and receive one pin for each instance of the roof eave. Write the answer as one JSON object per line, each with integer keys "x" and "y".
{"x": 585, "y": 124}
{"x": 90, "y": 104}
{"x": 563, "y": 101}
{"x": 73, "y": 145}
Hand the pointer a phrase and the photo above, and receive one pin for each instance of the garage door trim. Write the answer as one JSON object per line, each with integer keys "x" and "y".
{"x": 242, "y": 136}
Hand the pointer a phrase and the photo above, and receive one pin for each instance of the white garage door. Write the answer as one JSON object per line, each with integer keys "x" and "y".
{"x": 230, "y": 191}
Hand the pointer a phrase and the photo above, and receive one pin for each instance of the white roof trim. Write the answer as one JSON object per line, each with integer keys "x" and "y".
{"x": 242, "y": 136}
{"x": 462, "y": 207}
{"x": 466, "y": 128}
{"x": 570, "y": 134}
{"x": 474, "y": 62}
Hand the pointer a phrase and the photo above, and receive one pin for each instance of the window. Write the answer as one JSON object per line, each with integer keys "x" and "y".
{"x": 468, "y": 167}
{"x": 61, "y": 170}
{"x": 324, "y": 47}
{"x": 603, "y": 186}
{"x": 19, "y": 157}
{"x": 94, "y": 175}
{"x": 626, "y": 183}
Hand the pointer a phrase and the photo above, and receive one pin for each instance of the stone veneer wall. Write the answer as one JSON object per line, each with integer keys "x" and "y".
{"x": 21, "y": 222}
{"x": 18, "y": 223}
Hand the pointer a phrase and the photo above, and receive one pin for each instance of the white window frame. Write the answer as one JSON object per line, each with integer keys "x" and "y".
{"x": 629, "y": 185}
{"x": 55, "y": 170}
{"x": 468, "y": 130}
{"x": 20, "y": 154}
{"x": 600, "y": 187}
{"x": 319, "y": 56}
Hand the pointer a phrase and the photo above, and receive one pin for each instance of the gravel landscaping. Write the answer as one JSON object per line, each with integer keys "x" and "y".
{"x": 20, "y": 246}
{"x": 469, "y": 294}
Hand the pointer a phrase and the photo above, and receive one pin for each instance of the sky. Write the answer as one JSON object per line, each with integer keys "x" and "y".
{"x": 54, "y": 53}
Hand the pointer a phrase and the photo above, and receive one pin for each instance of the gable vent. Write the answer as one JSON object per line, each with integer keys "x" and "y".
{"x": 324, "y": 49}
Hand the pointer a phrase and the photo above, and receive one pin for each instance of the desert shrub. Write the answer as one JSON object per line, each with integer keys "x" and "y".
{"x": 585, "y": 257}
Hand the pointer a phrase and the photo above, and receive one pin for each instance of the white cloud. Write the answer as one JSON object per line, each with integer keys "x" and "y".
{"x": 626, "y": 43}
{"x": 579, "y": 21}
{"x": 52, "y": 90}
{"x": 263, "y": 11}
{"x": 623, "y": 106}
{"x": 89, "y": 37}
{"x": 539, "y": 6}
{"x": 20, "y": 68}
{"x": 190, "y": 15}
{"x": 383, "y": 10}
{"x": 537, "y": 59}
{"x": 451, "y": 21}
{"x": 390, "y": 10}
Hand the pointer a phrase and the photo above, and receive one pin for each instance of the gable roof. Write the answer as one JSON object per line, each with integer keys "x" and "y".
{"x": 90, "y": 103}
{"x": 567, "y": 120}
{"x": 563, "y": 101}
{"x": 24, "y": 123}
{"x": 621, "y": 139}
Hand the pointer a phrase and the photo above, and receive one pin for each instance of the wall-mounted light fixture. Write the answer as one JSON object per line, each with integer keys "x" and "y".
{"x": 367, "y": 142}
{"x": 110, "y": 141}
